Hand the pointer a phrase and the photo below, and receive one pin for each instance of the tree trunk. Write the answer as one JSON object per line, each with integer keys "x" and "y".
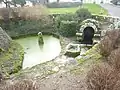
{"x": 6, "y": 4}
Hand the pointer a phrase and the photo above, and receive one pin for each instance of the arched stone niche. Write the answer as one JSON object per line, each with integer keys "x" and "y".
{"x": 88, "y": 29}
{"x": 87, "y": 35}
{"x": 90, "y": 23}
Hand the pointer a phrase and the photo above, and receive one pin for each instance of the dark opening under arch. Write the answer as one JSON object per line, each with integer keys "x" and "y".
{"x": 88, "y": 35}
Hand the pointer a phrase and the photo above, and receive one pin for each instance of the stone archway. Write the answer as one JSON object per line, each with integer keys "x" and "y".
{"x": 87, "y": 36}
{"x": 92, "y": 25}
{"x": 88, "y": 29}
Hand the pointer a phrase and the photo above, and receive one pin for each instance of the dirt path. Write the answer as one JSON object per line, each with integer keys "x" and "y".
{"x": 63, "y": 81}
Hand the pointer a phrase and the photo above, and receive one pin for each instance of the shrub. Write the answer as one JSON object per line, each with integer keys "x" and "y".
{"x": 28, "y": 27}
{"x": 67, "y": 28}
{"x": 83, "y": 14}
{"x": 109, "y": 42}
{"x": 63, "y": 4}
{"x": 114, "y": 59}
{"x": 4, "y": 13}
{"x": 106, "y": 46}
{"x": 34, "y": 13}
{"x": 64, "y": 17}
{"x": 103, "y": 77}
{"x": 31, "y": 20}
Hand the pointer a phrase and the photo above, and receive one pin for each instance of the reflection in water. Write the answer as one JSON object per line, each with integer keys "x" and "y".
{"x": 41, "y": 46}
{"x": 35, "y": 53}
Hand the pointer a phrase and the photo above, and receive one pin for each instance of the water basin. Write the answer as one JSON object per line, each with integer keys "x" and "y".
{"x": 35, "y": 54}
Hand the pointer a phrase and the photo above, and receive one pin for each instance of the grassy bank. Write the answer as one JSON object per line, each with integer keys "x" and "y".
{"x": 11, "y": 60}
{"x": 93, "y": 8}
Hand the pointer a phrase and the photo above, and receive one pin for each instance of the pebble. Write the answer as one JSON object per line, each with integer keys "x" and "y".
{"x": 56, "y": 69}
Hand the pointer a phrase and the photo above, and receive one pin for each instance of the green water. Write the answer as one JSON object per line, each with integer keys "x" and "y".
{"x": 35, "y": 54}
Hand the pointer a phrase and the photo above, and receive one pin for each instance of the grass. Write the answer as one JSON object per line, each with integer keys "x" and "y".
{"x": 93, "y": 8}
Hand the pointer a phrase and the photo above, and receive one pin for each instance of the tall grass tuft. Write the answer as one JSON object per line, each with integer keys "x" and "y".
{"x": 109, "y": 42}
{"x": 103, "y": 77}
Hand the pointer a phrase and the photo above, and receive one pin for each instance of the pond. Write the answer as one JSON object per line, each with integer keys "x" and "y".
{"x": 35, "y": 54}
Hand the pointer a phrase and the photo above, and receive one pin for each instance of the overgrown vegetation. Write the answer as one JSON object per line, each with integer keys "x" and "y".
{"x": 67, "y": 24}
{"x": 31, "y": 20}
{"x": 103, "y": 77}
{"x": 110, "y": 42}
{"x": 67, "y": 28}
{"x": 26, "y": 20}
{"x": 82, "y": 14}
{"x": 106, "y": 76}
{"x": 114, "y": 59}
{"x": 64, "y": 17}
{"x": 11, "y": 60}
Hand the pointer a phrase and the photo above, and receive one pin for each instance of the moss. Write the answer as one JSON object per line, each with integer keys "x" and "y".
{"x": 2, "y": 50}
{"x": 86, "y": 61}
{"x": 11, "y": 60}
{"x": 92, "y": 54}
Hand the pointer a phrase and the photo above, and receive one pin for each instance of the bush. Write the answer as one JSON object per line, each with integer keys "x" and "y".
{"x": 67, "y": 28}
{"x": 103, "y": 77}
{"x": 64, "y": 17}
{"x": 83, "y": 14}
{"x": 109, "y": 42}
{"x": 35, "y": 13}
{"x": 63, "y": 4}
{"x": 114, "y": 59}
{"x": 28, "y": 27}
{"x": 106, "y": 46}
{"x": 27, "y": 20}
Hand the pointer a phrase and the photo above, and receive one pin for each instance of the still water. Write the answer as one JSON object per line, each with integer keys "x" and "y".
{"x": 35, "y": 54}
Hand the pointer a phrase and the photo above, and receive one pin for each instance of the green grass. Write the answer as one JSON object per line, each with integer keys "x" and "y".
{"x": 93, "y": 8}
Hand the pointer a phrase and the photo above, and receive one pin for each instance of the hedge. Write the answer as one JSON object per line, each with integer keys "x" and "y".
{"x": 82, "y": 14}
{"x": 64, "y": 17}
{"x": 27, "y": 27}
{"x": 67, "y": 28}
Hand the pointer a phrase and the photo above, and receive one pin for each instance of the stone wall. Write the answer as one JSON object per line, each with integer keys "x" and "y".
{"x": 4, "y": 40}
